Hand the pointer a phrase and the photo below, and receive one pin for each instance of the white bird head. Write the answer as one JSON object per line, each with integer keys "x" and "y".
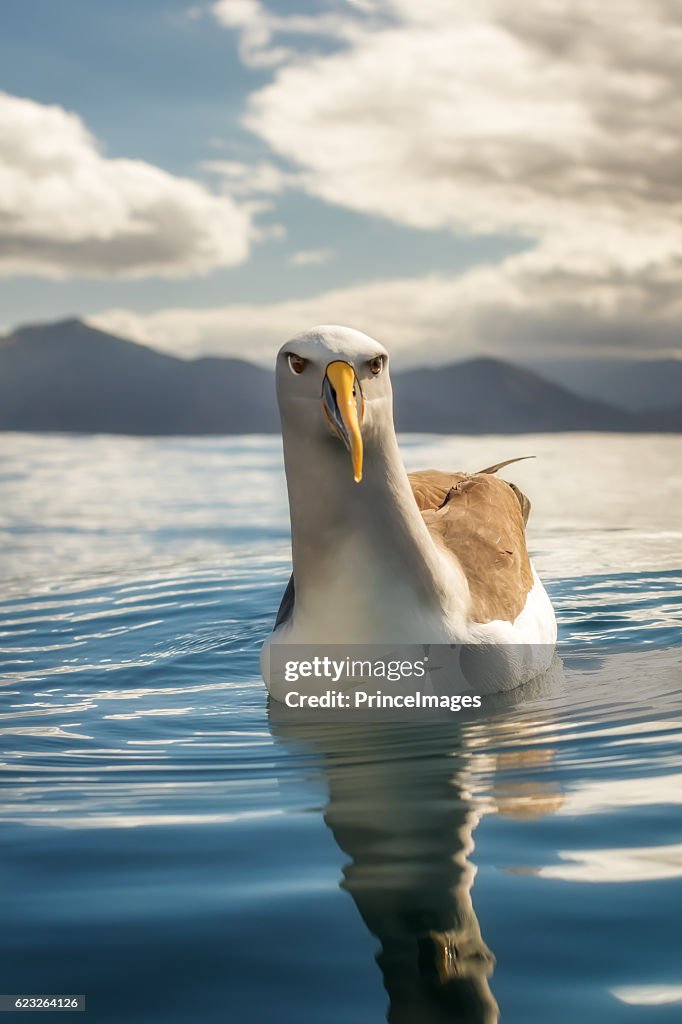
{"x": 335, "y": 380}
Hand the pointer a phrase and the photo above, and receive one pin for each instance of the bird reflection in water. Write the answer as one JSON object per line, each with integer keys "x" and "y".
{"x": 400, "y": 807}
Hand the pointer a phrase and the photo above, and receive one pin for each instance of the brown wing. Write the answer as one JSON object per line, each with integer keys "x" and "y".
{"x": 480, "y": 519}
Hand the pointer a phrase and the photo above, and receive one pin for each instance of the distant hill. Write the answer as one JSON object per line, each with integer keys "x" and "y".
{"x": 665, "y": 421}
{"x": 71, "y": 377}
{"x": 638, "y": 385}
{"x": 492, "y": 396}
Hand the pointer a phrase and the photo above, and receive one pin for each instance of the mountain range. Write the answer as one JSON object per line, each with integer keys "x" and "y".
{"x": 71, "y": 377}
{"x": 639, "y": 385}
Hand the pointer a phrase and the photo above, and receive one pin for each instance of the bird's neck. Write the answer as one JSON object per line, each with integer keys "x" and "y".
{"x": 367, "y": 539}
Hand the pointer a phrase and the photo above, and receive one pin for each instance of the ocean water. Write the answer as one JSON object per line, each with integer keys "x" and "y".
{"x": 179, "y": 852}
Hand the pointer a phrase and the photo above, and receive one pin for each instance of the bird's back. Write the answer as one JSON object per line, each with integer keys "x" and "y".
{"x": 480, "y": 519}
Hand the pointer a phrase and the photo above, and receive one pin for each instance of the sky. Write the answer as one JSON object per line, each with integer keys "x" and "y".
{"x": 455, "y": 179}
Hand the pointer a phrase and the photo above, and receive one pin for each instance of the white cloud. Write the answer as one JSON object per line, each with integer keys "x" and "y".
{"x": 257, "y": 330}
{"x": 243, "y": 179}
{"x": 311, "y": 257}
{"x": 66, "y": 209}
{"x": 556, "y": 123}
{"x": 479, "y": 119}
{"x": 515, "y": 309}
{"x": 258, "y": 26}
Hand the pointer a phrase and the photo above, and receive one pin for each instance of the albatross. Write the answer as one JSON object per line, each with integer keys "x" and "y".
{"x": 381, "y": 556}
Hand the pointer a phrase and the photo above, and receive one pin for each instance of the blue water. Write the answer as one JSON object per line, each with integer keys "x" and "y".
{"x": 179, "y": 852}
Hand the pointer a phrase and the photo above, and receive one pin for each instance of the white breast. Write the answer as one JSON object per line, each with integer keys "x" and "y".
{"x": 363, "y": 599}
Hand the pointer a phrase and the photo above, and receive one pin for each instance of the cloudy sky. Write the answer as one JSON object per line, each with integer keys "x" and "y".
{"x": 454, "y": 178}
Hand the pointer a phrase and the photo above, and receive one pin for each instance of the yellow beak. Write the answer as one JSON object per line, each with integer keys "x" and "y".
{"x": 339, "y": 401}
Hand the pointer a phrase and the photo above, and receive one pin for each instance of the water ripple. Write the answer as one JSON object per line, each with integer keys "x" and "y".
{"x": 162, "y": 824}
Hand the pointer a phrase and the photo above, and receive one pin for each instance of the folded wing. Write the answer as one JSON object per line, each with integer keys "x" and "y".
{"x": 480, "y": 519}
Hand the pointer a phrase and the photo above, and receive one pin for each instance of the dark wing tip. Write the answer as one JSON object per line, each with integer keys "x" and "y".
{"x": 286, "y": 606}
{"x": 524, "y": 502}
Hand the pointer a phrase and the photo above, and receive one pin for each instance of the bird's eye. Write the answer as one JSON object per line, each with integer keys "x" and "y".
{"x": 376, "y": 365}
{"x": 297, "y": 364}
